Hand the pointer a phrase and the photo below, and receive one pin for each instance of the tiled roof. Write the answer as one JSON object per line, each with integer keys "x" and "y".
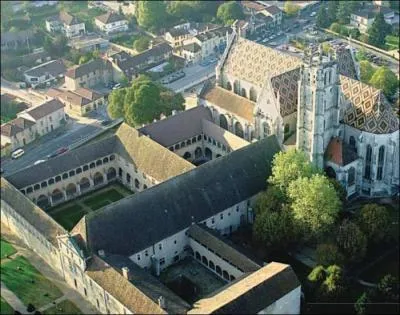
{"x": 273, "y": 9}
{"x": 17, "y": 125}
{"x": 345, "y": 63}
{"x": 176, "y": 32}
{"x": 232, "y": 102}
{"x": 250, "y": 294}
{"x": 89, "y": 67}
{"x": 286, "y": 85}
{"x": 31, "y": 212}
{"x": 203, "y": 235}
{"x": 369, "y": 110}
{"x": 110, "y": 17}
{"x": 253, "y": 62}
{"x": 371, "y": 12}
{"x": 88, "y": 93}
{"x": 53, "y": 67}
{"x": 191, "y": 197}
{"x": 253, "y": 5}
{"x": 44, "y": 109}
{"x": 68, "y": 18}
{"x": 80, "y": 96}
{"x": 179, "y": 127}
{"x": 339, "y": 152}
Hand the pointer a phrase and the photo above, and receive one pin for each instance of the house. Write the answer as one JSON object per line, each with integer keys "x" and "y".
{"x": 66, "y": 23}
{"x": 275, "y": 13}
{"x": 89, "y": 74}
{"x": 176, "y": 36}
{"x": 33, "y": 123}
{"x": 111, "y": 23}
{"x": 78, "y": 102}
{"x": 363, "y": 18}
{"x": 45, "y": 74}
{"x": 16, "y": 40}
{"x": 191, "y": 52}
{"x": 250, "y": 7}
{"x": 89, "y": 43}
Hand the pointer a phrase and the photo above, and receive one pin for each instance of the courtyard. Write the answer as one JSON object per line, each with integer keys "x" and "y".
{"x": 190, "y": 280}
{"x": 68, "y": 214}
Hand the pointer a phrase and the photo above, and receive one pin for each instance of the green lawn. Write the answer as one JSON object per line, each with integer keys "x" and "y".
{"x": 28, "y": 283}
{"x": 6, "y": 249}
{"x": 392, "y": 42}
{"x": 103, "y": 199}
{"x": 68, "y": 217}
{"x": 64, "y": 307}
{"x": 5, "y": 308}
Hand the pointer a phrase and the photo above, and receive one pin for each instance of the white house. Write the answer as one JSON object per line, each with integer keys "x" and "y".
{"x": 67, "y": 23}
{"x": 111, "y": 23}
{"x": 363, "y": 19}
{"x": 45, "y": 74}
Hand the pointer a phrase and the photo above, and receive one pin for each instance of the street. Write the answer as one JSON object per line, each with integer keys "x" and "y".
{"x": 24, "y": 94}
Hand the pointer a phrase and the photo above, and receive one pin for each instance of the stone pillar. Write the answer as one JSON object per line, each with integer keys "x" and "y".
{"x": 78, "y": 188}
{"x": 50, "y": 199}
{"x": 64, "y": 191}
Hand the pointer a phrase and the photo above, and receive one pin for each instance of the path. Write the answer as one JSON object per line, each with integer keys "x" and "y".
{"x": 48, "y": 272}
{"x": 12, "y": 299}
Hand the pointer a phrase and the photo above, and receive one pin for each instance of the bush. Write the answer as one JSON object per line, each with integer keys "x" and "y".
{"x": 335, "y": 27}
{"x": 355, "y": 33}
{"x": 343, "y": 31}
{"x": 30, "y": 308}
{"x": 328, "y": 254}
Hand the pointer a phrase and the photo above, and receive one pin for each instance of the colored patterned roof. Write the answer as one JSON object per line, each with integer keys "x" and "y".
{"x": 369, "y": 110}
{"x": 286, "y": 85}
{"x": 340, "y": 152}
{"x": 253, "y": 62}
{"x": 346, "y": 64}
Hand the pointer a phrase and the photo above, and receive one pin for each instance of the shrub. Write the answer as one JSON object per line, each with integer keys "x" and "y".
{"x": 328, "y": 254}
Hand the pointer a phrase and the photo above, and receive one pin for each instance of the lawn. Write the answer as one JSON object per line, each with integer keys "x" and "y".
{"x": 68, "y": 217}
{"x": 5, "y": 308}
{"x": 64, "y": 307}
{"x": 6, "y": 249}
{"x": 392, "y": 42}
{"x": 28, "y": 283}
{"x": 103, "y": 199}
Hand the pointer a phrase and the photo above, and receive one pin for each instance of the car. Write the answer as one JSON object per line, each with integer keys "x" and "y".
{"x": 38, "y": 162}
{"x": 106, "y": 122}
{"x": 17, "y": 153}
{"x": 61, "y": 150}
{"x": 117, "y": 86}
{"x": 51, "y": 155}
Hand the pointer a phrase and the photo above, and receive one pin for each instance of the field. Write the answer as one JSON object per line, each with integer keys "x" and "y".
{"x": 6, "y": 249}
{"x": 64, "y": 307}
{"x": 28, "y": 283}
{"x": 5, "y": 308}
{"x": 69, "y": 214}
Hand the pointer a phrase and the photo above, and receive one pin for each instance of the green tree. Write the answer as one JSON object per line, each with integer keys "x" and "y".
{"x": 141, "y": 44}
{"x": 340, "y": 190}
{"x": 56, "y": 47}
{"x": 291, "y": 8}
{"x": 388, "y": 289}
{"x": 385, "y": 80}
{"x": 331, "y": 13}
{"x": 361, "y": 54}
{"x": 229, "y": 12}
{"x": 270, "y": 200}
{"x": 351, "y": 241}
{"x": 289, "y": 166}
{"x": 345, "y": 8}
{"x": 327, "y": 48}
{"x": 333, "y": 286}
{"x": 116, "y": 101}
{"x": 378, "y": 31}
{"x": 328, "y": 254}
{"x": 366, "y": 71}
{"x": 361, "y": 304}
{"x": 374, "y": 220}
{"x": 335, "y": 27}
{"x": 151, "y": 14}
{"x": 354, "y": 33}
{"x": 318, "y": 274}
{"x": 124, "y": 81}
{"x": 315, "y": 203}
{"x": 321, "y": 20}
{"x": 343, "y": 31}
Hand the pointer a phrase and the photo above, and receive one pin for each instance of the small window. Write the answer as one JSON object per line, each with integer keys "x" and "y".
{"x": 205, "y": 137}
{"x": 137, "y": 184}
{"x": 85, "y": 168}
{"x": 237, "y": 208}
{"x": 29, "y": 190}
{"x": 160, "y": 246}
{"x": 144, "y": 186}
{"x": 78, "y": 170}
{"x": 176, "y": 146}
{"x": 174, "y": 241}
{"x": 58, "y": 179}
{"x": 99, "y": 162}
{"x": 65, "y": 176}
{"x": 198, "y": 137}
{"x": 72, "y": 173}
{"x": 112, "y": 157}
{"x": 162, "y": 261}
{"x": 43, "y": 184}
{"x": 105, "y": 160}
{"x": 92, "y": 165}
{"x": 146, "y": 253}
{"x": 36, "y": 187}
{"x": 221, "y": 216}
{"x": 128, "y": 177}
{"x": 212, "y": 221}
{"x": 120, "y": 172}
{"x": 194, "y": 140}
{"x": 51, "y": 181}
{"x": 138, "y": 257}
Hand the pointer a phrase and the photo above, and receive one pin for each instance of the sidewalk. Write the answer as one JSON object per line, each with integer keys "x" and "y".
{"x": 48, "y": 272}
{"x": 12, "y": 299}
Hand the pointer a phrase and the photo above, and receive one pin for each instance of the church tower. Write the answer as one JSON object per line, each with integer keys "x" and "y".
{"x": 318, "y": 105}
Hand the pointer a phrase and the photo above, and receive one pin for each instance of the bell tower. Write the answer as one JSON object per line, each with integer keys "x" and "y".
{"x": 318, "y": 104}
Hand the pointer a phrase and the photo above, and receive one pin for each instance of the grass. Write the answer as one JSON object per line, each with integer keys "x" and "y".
{"x": 28, "y": 283}
{"x": 392, "y": 42}
{"x": 103, "y": 199}
{"x": 68, "y": 217}
{"x": 64, "y": 307}
{"x": 6, "y": 249}
{"x": 5, "y": 308}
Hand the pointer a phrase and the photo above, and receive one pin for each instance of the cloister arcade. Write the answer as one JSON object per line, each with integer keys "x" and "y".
{"x": 209, "y": 263}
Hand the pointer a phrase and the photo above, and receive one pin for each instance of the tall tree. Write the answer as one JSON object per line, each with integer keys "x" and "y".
{"x": 229, "y": 12}
{"x": 374, "y": 220}
{"x": 291, "y": 8}
{"x": 116, "y": 101}
{"x": 378, "y": 31}
{"x": 345, "y": 8}
{"x": 270, "y": 200}
{"x": 141, "y": 44}
{"x": 331, "y": 13}
{"x": 385, "y": 80}
{"x": 366, "y": 71}
{"x": 315, "y": 203}
{"x": 321, "y": 20}
{"x": 152, "y": 14}
{"x": 328, "y": 254}
{"x": 351, "y": 241}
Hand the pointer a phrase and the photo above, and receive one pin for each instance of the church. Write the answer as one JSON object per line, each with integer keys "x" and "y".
{"x": 317, "y": 104}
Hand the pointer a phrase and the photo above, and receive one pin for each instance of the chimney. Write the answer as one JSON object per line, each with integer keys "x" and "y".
{"x": 125, "y": 273}
{"x": 161, "y": 302}
{"x": 101, "y": 253}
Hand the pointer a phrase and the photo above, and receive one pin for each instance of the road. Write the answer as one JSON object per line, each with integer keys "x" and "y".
{"x": 29, "y": 98}
{"x": 193, "y": 74}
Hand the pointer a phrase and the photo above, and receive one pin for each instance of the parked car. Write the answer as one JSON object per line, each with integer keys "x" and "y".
{"x": 61, "y": 150}
{"x": 106, "y": 122}
{"x": 117, "y": 86}
{"x": 17, "y": 153}
{"x": 38, "y": 162}
{"x": 51, "y": 155}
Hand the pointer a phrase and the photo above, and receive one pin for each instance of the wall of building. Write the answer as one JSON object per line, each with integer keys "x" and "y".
{"x": 288, "y": 304}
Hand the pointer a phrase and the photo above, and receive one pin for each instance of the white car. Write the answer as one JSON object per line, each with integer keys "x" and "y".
{"x": 264, "y": 40}
{"x": 38, "y": 162}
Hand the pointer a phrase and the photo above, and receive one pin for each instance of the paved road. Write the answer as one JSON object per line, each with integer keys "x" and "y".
{"x": 46, "y": 145}
{"x": 193, "y": 74}
{"x": 30, "y": 98}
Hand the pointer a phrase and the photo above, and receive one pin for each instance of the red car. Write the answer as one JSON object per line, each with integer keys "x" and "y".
{"x": 61, "y": 150}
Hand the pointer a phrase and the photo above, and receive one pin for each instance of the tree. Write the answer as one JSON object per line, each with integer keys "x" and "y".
{"x": 333, "y": 283}
{"x": 315, "y": 203}
{"x": 116, "y": 101}
{"x": 340, "y": 190}
{"x": 345, "y": 8}
{"x": 327, "y": 48}
{"x": 354, "y": 33}
{"x": 378, "y": 31}
{"x": 57, "y": 47}
{"x": 366, "y": 71}
{"x": 124, "y": 81}
{"x": 328, "y": 254}
{"x": 321, "y": 20}
{"x": 151, "y": 14}
{"x": 351, "y": 241}
{"x": 344, "y": 31}
{"x": 141, "y": 44}
{"x": 289, "y": 166}
{"x": 374, "y": 220}
{"x": 291, "y": 8}
{"x": 229, "y": 12}
{"x": 388, "y": 289}
{"x": 270, "y": 200}
{"x": 331, "y": 13}
{"x": 361, "y": 54}
{"x": 361, "y": 304}
{"x": 385, "y": 80}
{"x": 335, "y": 27}
{"x": 318, "y": 274}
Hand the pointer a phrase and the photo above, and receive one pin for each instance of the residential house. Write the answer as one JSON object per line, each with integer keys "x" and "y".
{"x": 111, "y": 23}
{"x": 250, "y": 7}
{"x": 78, "y": 102}
{"x": 89, "y": 74}
{"x": 17, "y": 133}
{"x": 191, "y": 52}
{"x": 363, "y": 19}
{"x": 275, "y": 13}
{"x": 16, "y": 40}
{"x": 66, "y": 23}
{"x": 176, "y": 36}
{"x": 86, "y": 44}
{"x": 45, "y": 74}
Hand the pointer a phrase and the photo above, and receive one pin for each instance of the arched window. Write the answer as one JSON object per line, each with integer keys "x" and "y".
{"x": 267, "y": 129}
{"x": 85, "y": 168}
{"x": 58, "y": 178}
{"x": 244, "y": 94}
{"x": 239, "y": 130}
{"x": 253, "y": 95}
{"x": 223, "y": 122}
{"x": 29, "y": 190}
{"x": 43, "y": 184}
{"x": 228, "y": 86}
{"x": 381, "y": 161}
{"x": 92, "y": 165}
{"x": 112, "y": 157}
{"x": 78, "y": 170}
{"x": 128, "y": 177}
{"x": 177, "y": 146}
{"x": 51, "y": 181}
{"x": 137, "y": 184}
{"x": 326, "y": 78}
{"x": 105, "y": 160}
{"x": 71, "y": 173}
{"x": 236, "y": 87}
{"x": 99, "y": 162}
{"x": 65, "y": 176}
{"x": 368, "y": 159}
{"x": 351, "y": 176}
{"x": 36, "y": 187}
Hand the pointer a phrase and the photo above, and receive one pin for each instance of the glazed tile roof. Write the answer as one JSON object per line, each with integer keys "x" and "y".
{"x": 345, "y": 62}
{"x": 369, "y": 110}
{"x": 286, "y": 85}
{"x": 253, "y": 62}
{"x": 339, "y": 152}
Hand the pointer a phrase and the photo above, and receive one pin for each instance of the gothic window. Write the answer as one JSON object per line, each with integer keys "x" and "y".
{"x": 244, "y": 94}
{"x": 368, "y": 158}
{"x": 351, "y": 176}
{"x": 381, "y": 157}
{"x": 228, "y": 86}
{"x": 326, "y": 78}
{"x": 267, "y": 129}
{"x": 352, "y": 142}
{"x": 236, "y": 87}
{"x": 253, "y": 95}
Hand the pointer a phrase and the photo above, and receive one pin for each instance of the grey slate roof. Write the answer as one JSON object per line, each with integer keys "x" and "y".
{"x": 191, "y": 197}
{"x": 204, "y": 235}
{"x": 54, "y": 67}
{"x": 65, "y": 162}
{"x": 179, "y": 127}
{"x": 89, "y": 67}
{"x": 110, "y": 17}
{"x": 45, "y": 109}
